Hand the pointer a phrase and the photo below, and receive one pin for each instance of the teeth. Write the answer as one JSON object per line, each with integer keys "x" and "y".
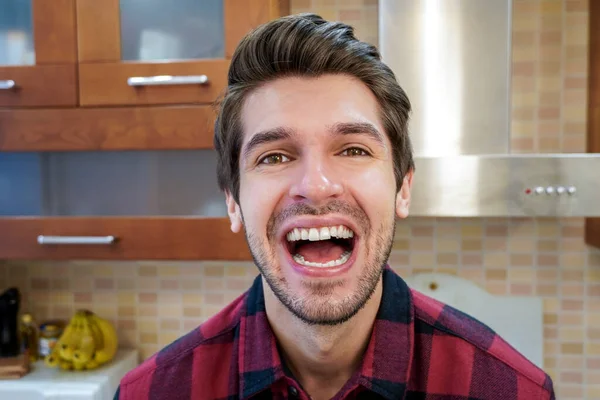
{"x": 323, "y": 233}
{"x": 333, "y": 263}
{"x": 304, "y": 233}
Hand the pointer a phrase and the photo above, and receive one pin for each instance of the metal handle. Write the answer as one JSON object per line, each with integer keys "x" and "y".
{"x": 42, "y": 239}
{"x": 5, "y": 85}
{"x": 167, "y": 80}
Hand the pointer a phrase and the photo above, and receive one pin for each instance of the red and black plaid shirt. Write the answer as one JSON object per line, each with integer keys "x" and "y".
{"x": 419, "y": 349}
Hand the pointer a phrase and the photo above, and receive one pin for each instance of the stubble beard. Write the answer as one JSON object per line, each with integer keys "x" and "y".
{"x": 321, "y": 306}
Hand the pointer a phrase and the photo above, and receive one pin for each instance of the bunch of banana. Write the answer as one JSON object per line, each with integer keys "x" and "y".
{"x": 87, "y": 342}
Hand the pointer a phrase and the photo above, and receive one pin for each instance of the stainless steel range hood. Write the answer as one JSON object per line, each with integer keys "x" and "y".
{"x": 453, "y": 58}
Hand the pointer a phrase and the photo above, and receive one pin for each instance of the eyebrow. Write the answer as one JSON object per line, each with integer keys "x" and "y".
{"x": 354, "y": 128}
{"x": 268, "y": 136}
{"x": 283, "y": 133}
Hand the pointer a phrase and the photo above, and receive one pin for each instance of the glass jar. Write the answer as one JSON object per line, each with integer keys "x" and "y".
{"x": 50, "y": 332}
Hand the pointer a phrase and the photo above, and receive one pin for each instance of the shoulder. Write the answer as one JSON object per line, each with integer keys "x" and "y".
{"x": 205, "y": 351}
{"x": 456, "y": 336}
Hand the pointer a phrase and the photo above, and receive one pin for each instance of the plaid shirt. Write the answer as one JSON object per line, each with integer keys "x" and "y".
{"x": 419, "y": 349}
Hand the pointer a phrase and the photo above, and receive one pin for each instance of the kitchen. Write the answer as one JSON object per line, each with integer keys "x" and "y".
{"x": 170, "y": 272}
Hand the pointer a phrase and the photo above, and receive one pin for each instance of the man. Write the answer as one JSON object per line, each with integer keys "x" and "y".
{"x": 316, "y": 164}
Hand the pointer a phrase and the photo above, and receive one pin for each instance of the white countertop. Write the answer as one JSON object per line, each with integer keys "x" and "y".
{"x": 44, "y": 383}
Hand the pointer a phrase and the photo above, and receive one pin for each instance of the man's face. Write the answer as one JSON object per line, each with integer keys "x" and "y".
{"x": 318, "y": 195}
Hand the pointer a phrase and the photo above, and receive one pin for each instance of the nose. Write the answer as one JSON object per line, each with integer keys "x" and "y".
{"x": 316, "y": 183}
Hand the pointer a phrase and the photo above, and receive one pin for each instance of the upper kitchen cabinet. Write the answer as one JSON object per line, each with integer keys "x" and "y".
{"x": 38, "y": 53}
{"x": 138, "y": 52}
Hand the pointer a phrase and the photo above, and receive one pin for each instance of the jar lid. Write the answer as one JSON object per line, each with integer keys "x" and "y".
{"x": 27, "y": 318}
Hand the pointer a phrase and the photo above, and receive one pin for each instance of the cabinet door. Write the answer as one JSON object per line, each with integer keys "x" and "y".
{"x": 162, "y": 204}
{"x": 37, "y": 53}
{"x": 161, "y": 52}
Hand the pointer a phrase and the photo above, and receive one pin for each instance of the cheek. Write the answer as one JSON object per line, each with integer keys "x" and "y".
{"x": 373, "y": 187}
{"x": 259, "y": 197}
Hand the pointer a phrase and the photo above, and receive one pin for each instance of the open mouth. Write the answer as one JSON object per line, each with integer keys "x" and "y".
{"x": 327, "y": 246}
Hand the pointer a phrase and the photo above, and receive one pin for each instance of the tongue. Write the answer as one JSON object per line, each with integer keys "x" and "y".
{"x": 321, "y": 251}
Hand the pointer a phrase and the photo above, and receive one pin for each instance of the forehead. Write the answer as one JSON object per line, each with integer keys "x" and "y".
{"x": 309, "y": 105}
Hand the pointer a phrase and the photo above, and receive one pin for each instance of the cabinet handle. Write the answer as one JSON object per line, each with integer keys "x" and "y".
{"x": 167, "y": 80}
{"x": 42, "y": 239}
{"x": 5, "y": 85}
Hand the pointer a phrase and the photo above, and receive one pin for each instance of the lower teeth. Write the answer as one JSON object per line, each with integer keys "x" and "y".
{"x": 333, "y": 263}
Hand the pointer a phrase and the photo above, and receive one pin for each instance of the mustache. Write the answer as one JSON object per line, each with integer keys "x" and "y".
{"x": 333, "y": 207}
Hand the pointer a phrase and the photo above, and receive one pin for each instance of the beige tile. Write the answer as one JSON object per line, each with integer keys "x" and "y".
{"x": 147, "y": 325}
{"x": 496, "y": 259}
{"x": 422, "y": 259}
{"x": 147, "y": 270}
{"x": 521, "y": 260}
{"x": 495, "y": 274}
{"x": 572, "y": 305}
{"x": 168, "y": 284}
{"x": 472, "y": 259}
{"x": 146, "y": 283}
{"x": 170, "y": 324}
{"x": 167, "y": 271}
{"x": 421, "y": 244}
{"x": 571, "y": 348}
{"x": 170, "y": 310}
{"x": 573, "y": 290}
{"x": 593, "y": 349}
{"x": 148, "y": 310}
{"x": 148, "y": 338}
{"x": 217, "y": 271}
{"x": 191, "y": 284}
{"x": 147, "y": 298}
{"x": 471, "y": 245}
{"x": 126, "y": 311}
{"x": 192, "y": 312}
{"x": 572, "y": 260}
{"x": 235, "y": 270}
{"x": 448, "y": 245}
{"x": 521, "y": 289}
{"x": 568, "y": 334}
{"x": 166, "y": 338}
{"x": 401, "y": 244}
{"x": 497, "y": 288}
{"x": 521, "y": 274}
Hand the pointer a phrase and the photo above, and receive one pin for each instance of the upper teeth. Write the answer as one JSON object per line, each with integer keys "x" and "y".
{"x": 323, "y": 233}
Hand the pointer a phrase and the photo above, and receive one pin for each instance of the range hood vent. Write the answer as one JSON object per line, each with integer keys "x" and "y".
{"x": 453, "y": 58}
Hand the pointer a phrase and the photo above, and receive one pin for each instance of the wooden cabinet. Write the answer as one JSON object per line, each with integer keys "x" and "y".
{"x": 126, "y": 66}
{"x": 592, "y": 225}
{"x": 38, "y": 54}
{"x": 106, "y": 147}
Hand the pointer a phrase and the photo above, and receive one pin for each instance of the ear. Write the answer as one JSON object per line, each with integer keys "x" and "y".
{"x": 235, "y": 214}
{"x": 403, "y": 196}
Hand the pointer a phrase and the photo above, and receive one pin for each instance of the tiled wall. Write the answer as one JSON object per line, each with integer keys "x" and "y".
{"x": 154, "y": 303}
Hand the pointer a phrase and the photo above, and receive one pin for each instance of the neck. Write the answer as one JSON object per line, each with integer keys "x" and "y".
{"x": 322, "y": 358}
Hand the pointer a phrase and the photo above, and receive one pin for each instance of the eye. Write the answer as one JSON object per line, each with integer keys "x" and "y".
{"x": 276, "y": 158}
{"x": 354, "y": 152}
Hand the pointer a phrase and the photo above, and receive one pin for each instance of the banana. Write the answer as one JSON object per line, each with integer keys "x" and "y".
{"x": 111, "y": 341}
{"x": 53, "y": 359}
{"x": 92, "y": 364}
{"x": 87, "y": 345}
{"x": 71, "y": 341}
{"x": 66, "y": 365}
{"x": 96, "y": 332}
{"x": 78, "y": 365}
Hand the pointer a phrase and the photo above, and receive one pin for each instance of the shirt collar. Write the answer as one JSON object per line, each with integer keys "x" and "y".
{"x": 385, "y": 368}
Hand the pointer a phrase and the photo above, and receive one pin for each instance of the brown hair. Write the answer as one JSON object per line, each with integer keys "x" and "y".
{"x": 306, "y": 45}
